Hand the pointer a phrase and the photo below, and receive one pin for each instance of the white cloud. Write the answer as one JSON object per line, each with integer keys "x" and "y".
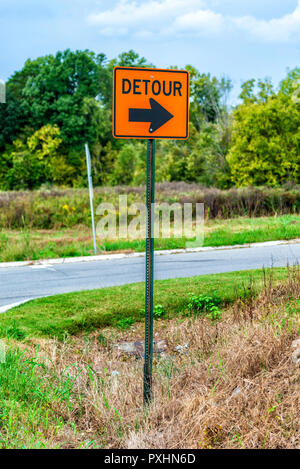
{"x": 199, "y": 22}
{"x": 151, "y": 18}
{"x": 130, "y": 13}
{"x": 277, "y": 29}
{"x": 143, "y": 18}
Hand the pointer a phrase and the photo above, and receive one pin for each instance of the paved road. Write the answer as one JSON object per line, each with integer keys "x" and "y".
{"x": 21, "y": 283}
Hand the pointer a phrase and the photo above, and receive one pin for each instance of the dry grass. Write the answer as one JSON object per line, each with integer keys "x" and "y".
{"x": 66, "y": 208}
{"x": 235, "y": 388}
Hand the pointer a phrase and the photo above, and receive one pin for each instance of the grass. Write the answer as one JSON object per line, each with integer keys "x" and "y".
{"x": 20, "y": 245}
{"x": 29, "y": 395}
{"x": 55, "y": 208}
{"x": 72, "y": 313}
{"x": 235, "y": 386}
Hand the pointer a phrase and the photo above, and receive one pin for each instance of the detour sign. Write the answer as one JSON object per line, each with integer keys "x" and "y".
{"x": 150, "y": 103}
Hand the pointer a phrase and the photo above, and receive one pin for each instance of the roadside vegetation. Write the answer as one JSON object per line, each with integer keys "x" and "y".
{"x": 228, "y": 377}
{"x": 57, "y": 103}
{"x": 22, "y": 245}
{"x": 72, "y": 313}
{"x": 67, "y": 208}
{"x": 56, "y": 223}
{"x": 228, "y": 373}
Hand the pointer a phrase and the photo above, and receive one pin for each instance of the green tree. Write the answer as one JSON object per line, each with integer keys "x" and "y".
{"x": 11, "y": 119}
{"x": 55, "y": 95}
{"x": 179, "y": 160}
{"x": 20, "y": 168}
{"x": 207, "y": 97}
{"x": 38, "y": 160}
{"x": 266, "y": 139}
{"x": 213, "y": 144}
{"x": 45, "y": 145}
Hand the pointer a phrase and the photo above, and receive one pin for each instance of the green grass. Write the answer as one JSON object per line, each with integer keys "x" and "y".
{"x": 73, "y": 313}
{"x": 43, "y": 406}
{"x": 16, "y": 245}
{"x": 252, "y": 230}
{"x": 29, "y": 394}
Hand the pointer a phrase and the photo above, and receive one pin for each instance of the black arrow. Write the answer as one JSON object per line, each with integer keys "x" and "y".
{"x": 157, "y": 115}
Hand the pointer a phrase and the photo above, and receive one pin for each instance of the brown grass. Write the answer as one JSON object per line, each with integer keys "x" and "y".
{"x": 57, "y": 208}
{"x": 236, "y": 388}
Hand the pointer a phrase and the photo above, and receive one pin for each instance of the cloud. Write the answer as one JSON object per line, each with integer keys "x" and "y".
{"x": 154, "y": 15}
{"x": 199, "y": 22}
{"x": 277, "y": 29}
{"x": 152, "y": 18}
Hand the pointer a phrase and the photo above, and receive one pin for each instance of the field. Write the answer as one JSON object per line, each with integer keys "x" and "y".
{"x": 56, "y": 223}
{"x": 21, "y": 245}
{"x": 65, "y": 208}
{"x": 226, "y": 375}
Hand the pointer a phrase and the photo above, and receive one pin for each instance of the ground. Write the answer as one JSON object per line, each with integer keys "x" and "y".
{"x": 231, "y": 384}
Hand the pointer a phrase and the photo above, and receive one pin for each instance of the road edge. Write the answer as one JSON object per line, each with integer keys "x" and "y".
{"x": 105, "y": 257}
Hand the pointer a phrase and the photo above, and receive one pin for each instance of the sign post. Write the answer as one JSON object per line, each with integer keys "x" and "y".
{"x": 89, "y": 171}
{"x": 149, "y": 271}
{"x": 150, "y": 104}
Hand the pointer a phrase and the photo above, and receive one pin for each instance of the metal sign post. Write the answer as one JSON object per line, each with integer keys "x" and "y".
{"x": 88, "y": 164}
{"x": 149, "y": 272}
{"x": 150, "y": 103}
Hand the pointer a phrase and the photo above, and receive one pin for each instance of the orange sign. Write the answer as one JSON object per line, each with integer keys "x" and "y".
{"x": 150, "y": 103}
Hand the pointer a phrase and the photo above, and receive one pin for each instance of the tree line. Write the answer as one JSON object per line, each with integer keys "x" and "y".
{"x": 56, "y": 103}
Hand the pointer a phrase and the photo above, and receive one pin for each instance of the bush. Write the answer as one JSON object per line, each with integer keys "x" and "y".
{"x": 57, "y": 208}
{"x": 206, "y": 306}
{"x": 265, "y": 135}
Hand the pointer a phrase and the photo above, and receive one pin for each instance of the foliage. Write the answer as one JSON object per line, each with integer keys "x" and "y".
{"x": 205, "y": 305}
{"x": 37, "y": 161}
{"x": 158, "y": 311}
{"x": 25, "y": 244}
{"x": 29, "y": 394}
{"x": 125, "y": 323}
{"x": 78, "y": 393}
{"x": 257, "y": 143}
{"x": 206, "y": 94}
{"x": 72, "y": 92}
{"x": 11, "y": 120}
{"x": 265, "y": 138}
{"x": 58, "y": 208}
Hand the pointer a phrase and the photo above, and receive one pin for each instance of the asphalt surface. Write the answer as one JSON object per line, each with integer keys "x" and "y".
{"x": 18, "y": 284}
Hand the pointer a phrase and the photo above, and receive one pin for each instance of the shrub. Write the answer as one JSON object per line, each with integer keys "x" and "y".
{"x": 205, "y": 305}
{"x": 58, "y": 208}
{"x": 158, "y": 311}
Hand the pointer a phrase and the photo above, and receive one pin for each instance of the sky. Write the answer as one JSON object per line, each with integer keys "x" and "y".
{"x": 239, "y": 39}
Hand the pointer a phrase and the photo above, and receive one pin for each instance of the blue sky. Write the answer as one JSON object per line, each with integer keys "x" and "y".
{"x": 240, "y": 39}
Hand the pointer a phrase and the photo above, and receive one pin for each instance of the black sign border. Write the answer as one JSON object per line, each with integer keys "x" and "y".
{"x": 150, "y": 136}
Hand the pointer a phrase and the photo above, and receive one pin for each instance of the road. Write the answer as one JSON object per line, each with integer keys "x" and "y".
{"x": 18, "y": 284}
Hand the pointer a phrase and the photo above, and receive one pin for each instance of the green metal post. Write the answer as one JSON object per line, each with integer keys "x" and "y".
{"x": 149, "y": 272}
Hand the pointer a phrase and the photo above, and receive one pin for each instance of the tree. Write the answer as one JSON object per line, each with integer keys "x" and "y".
{"x": 207, "y": 97}
{"x": 55, "y": 95}
{"x": 213, "y": 144}
{"x": 266, "y": 139}
{"x": 38, "y": 160}
{"x": 11, "y": 119}
{"x": 179, "y": 160}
